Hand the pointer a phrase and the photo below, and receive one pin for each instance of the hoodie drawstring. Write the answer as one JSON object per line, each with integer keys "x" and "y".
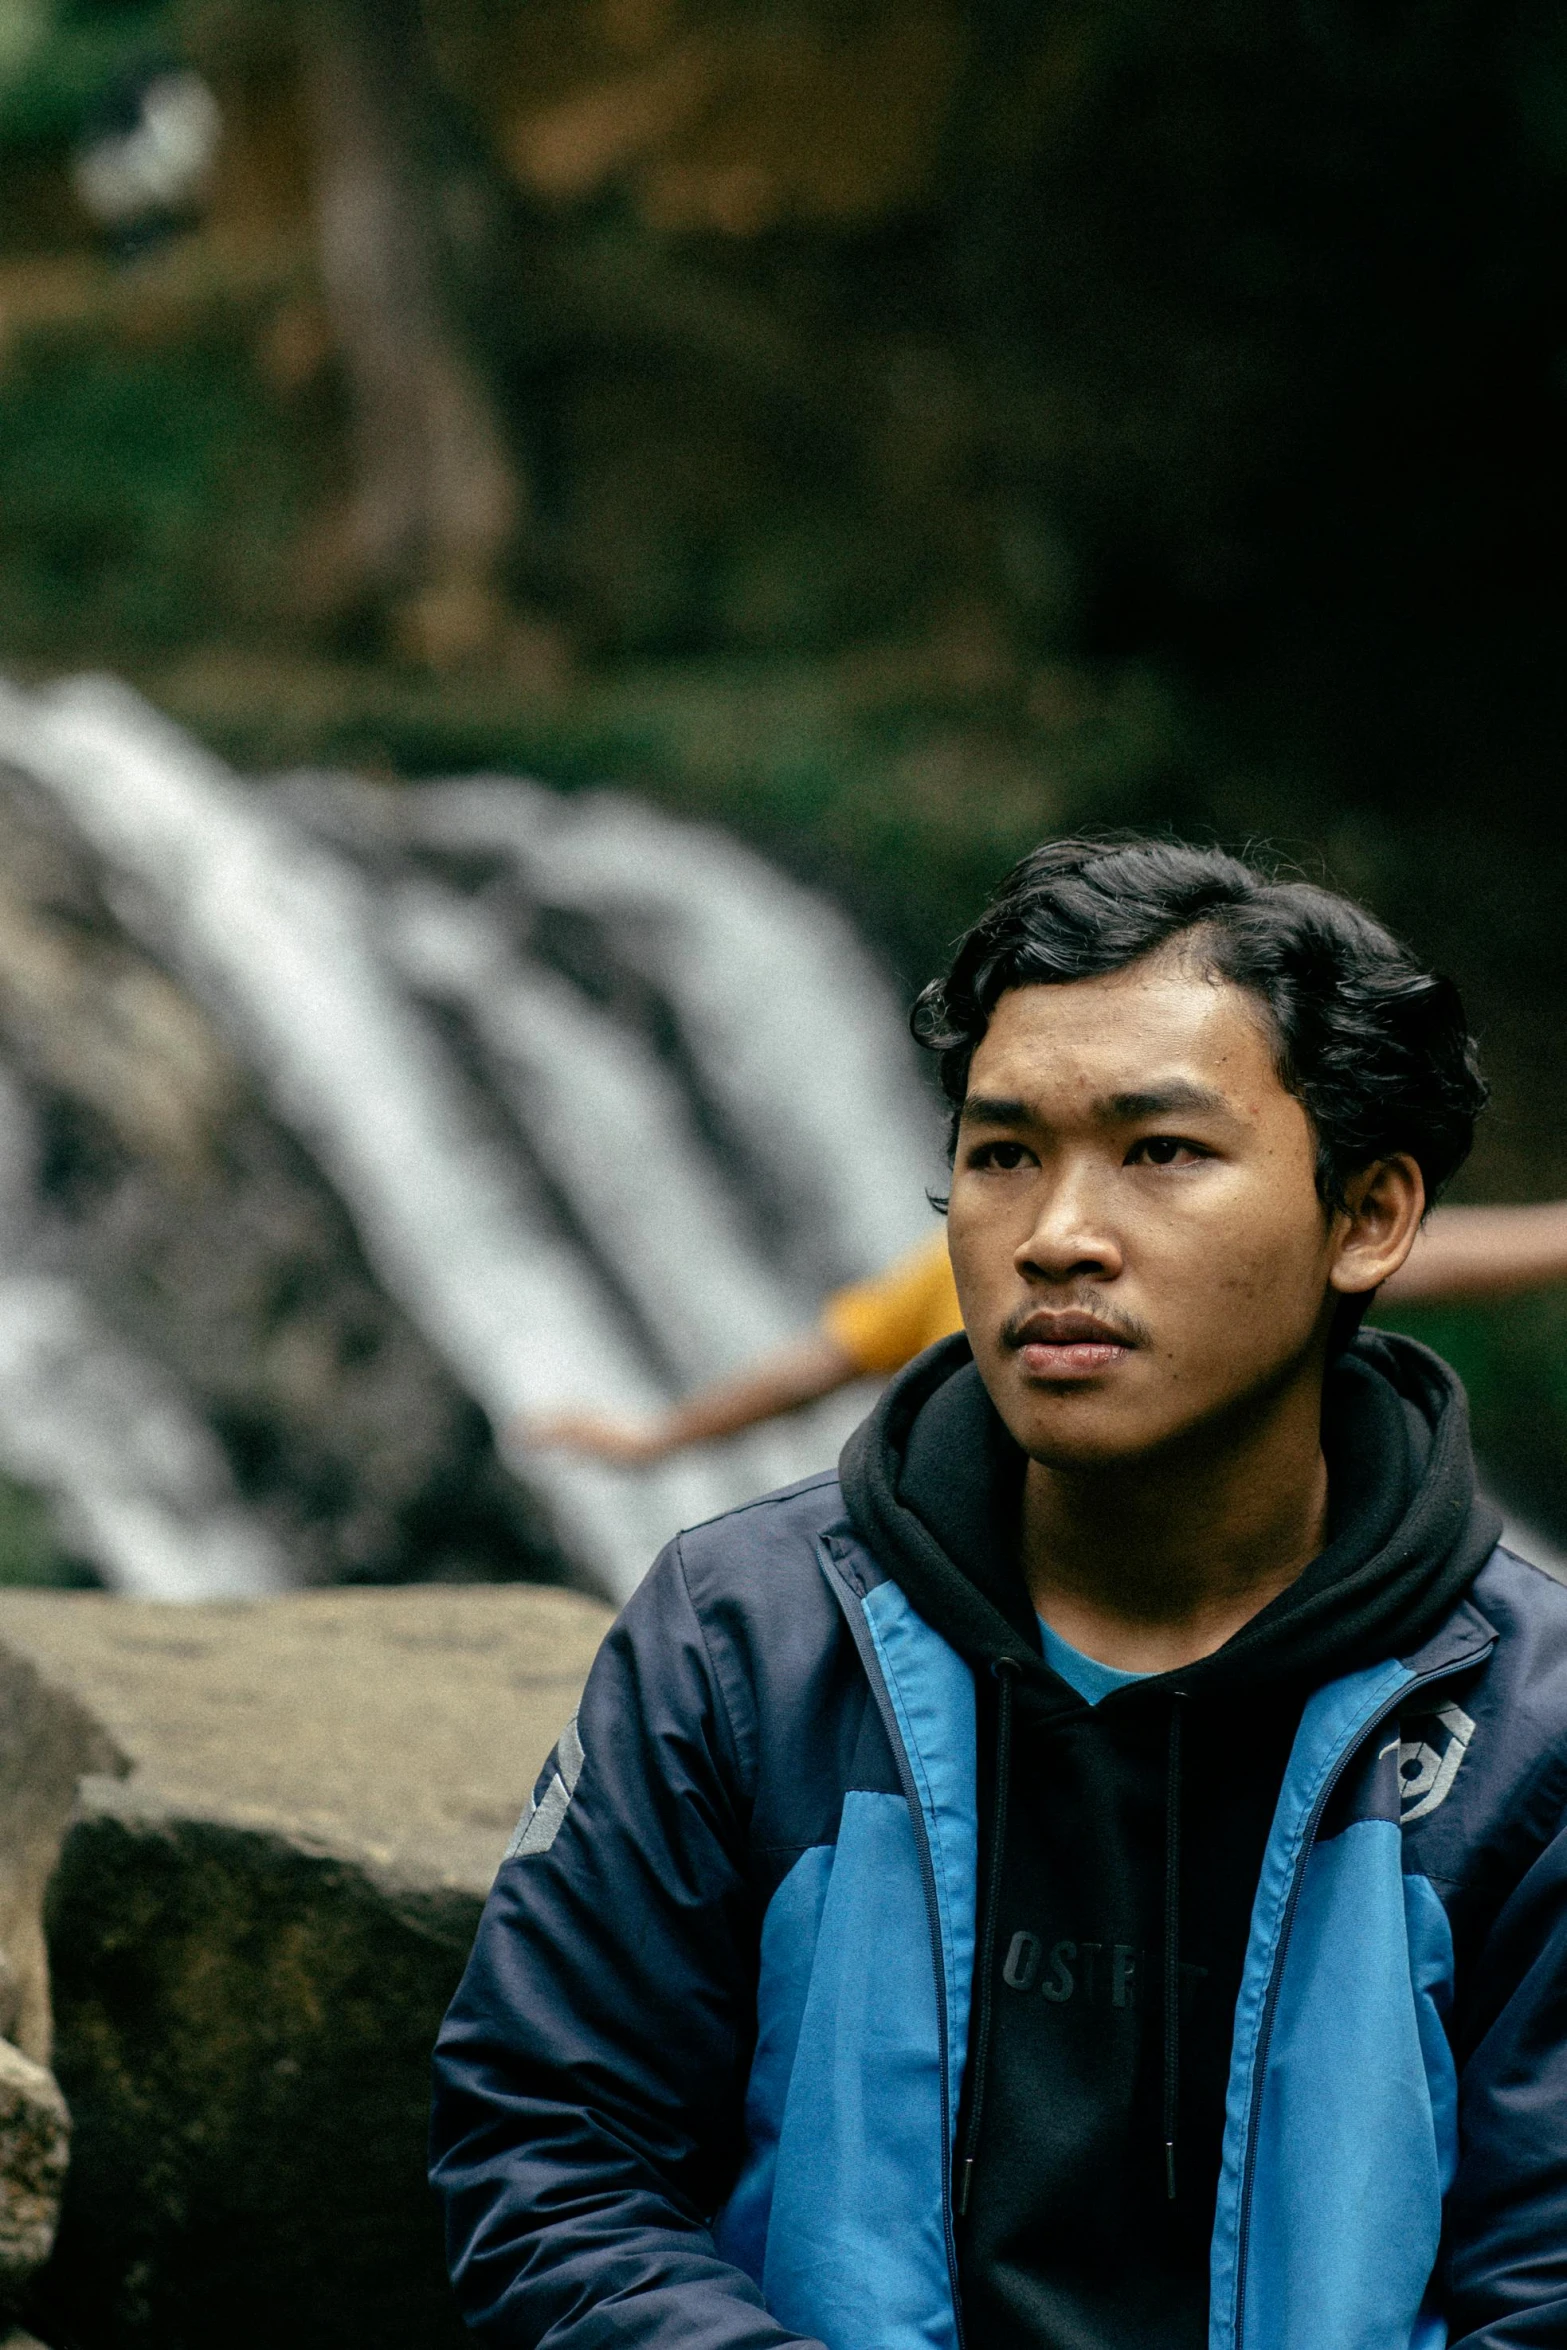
{"x": 1172, "y": 1939}
{"x": 1005, "y": 1671}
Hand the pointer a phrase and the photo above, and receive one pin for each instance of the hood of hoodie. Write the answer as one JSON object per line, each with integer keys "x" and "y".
{"x": 933, "y": 1484}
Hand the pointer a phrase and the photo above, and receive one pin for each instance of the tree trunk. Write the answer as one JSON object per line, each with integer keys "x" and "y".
{"x": 436, "y": 496}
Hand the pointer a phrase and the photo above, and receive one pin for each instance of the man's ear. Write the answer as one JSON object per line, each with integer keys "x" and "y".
{"x": 1377, "y": 1227}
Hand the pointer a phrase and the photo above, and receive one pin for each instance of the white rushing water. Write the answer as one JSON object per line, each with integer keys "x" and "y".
{"x": 571, "y": 1212}
{"x": 794, "y": 1025}
{"x": 141, "y": 1486}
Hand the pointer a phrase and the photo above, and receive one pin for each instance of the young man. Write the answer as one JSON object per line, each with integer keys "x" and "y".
{"x": 1088, "y": 1877}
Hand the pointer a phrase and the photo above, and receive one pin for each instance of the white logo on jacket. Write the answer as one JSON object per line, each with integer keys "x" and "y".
{"x": 1425, "y": 1771}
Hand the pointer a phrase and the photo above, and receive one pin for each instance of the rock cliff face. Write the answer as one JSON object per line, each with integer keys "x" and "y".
{"x": 254, "y": 1931}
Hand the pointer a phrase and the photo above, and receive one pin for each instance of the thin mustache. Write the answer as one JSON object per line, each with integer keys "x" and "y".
{"x": 1123, "y": 1325}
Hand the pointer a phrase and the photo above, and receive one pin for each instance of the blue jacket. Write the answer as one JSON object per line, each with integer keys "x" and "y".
{"x": 699, "y": 2084}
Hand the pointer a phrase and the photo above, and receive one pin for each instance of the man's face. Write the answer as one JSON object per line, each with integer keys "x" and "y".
{"x": 1136, "y": 1233}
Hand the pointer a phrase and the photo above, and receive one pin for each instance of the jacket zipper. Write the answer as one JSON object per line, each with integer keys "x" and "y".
{"x": 865, "y": 1646}
{"x": 1373, "y": 1723}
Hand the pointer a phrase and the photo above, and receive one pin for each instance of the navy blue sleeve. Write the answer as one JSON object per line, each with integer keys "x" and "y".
{"x": 1506, "y": 2248}
{"x": 590, "y": 2075}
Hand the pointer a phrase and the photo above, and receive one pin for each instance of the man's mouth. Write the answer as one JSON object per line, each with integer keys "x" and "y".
{"x": 1069, "y": 1345}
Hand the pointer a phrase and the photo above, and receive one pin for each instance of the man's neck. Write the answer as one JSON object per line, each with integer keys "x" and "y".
{"x": 1150, "y": 1566}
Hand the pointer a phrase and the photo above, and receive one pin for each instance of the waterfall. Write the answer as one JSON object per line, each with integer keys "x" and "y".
{"x": 605, "y": 1100}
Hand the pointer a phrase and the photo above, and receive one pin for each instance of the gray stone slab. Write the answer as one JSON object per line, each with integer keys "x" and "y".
{"x": 253, "y": 1935}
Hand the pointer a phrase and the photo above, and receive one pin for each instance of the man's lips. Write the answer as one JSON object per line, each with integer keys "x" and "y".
{"x": 1067, "y": 1345}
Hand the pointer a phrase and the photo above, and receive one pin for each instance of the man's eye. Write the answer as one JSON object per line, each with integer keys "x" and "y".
{"x": 1164, "y": 1150}
{"x": 1003, "y": 1156}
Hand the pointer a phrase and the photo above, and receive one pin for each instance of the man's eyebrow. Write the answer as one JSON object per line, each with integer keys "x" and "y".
{"x": 1163, "y": 1101}
{"x": 994, "y": 1109}
{"x": 1154, "y": 1101}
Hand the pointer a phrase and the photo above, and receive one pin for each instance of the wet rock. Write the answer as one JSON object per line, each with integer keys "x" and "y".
{"x": 253, "y": 1936}
{"x": 35, "y": 2135}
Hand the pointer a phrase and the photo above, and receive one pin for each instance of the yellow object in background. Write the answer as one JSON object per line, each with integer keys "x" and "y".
{"x": 885, "y": 1322}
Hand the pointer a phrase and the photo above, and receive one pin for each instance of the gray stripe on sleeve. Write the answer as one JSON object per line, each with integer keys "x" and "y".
{"x": 539, "y": 1825}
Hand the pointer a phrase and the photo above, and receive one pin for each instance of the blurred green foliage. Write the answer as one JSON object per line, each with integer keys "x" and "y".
{"x": 60, "y": 58}
{"x": 140, "y": 492}
{"x": 1219, "y": 338}
{"x": 1512, "y": 1359}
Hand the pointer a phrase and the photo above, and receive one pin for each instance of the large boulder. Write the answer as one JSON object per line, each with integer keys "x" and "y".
{"x": 253, "y": 1935}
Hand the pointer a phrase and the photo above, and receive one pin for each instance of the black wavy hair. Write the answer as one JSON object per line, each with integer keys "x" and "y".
{"x": 1376, "y": 1048}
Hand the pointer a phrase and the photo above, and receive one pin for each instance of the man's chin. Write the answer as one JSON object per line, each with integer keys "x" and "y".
{"x": 1111, "y": 1426}
{"x": 1088, "y": 1451}
{"x": 1086, "y": 1426}
{"x": 1080, "y": 1431}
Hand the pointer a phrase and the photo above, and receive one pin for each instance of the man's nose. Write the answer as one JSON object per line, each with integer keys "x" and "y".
{"x": 1072, "y": 1234}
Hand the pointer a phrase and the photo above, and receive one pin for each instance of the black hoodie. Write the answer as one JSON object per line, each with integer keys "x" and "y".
{"x": 1124, "y": 1840}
